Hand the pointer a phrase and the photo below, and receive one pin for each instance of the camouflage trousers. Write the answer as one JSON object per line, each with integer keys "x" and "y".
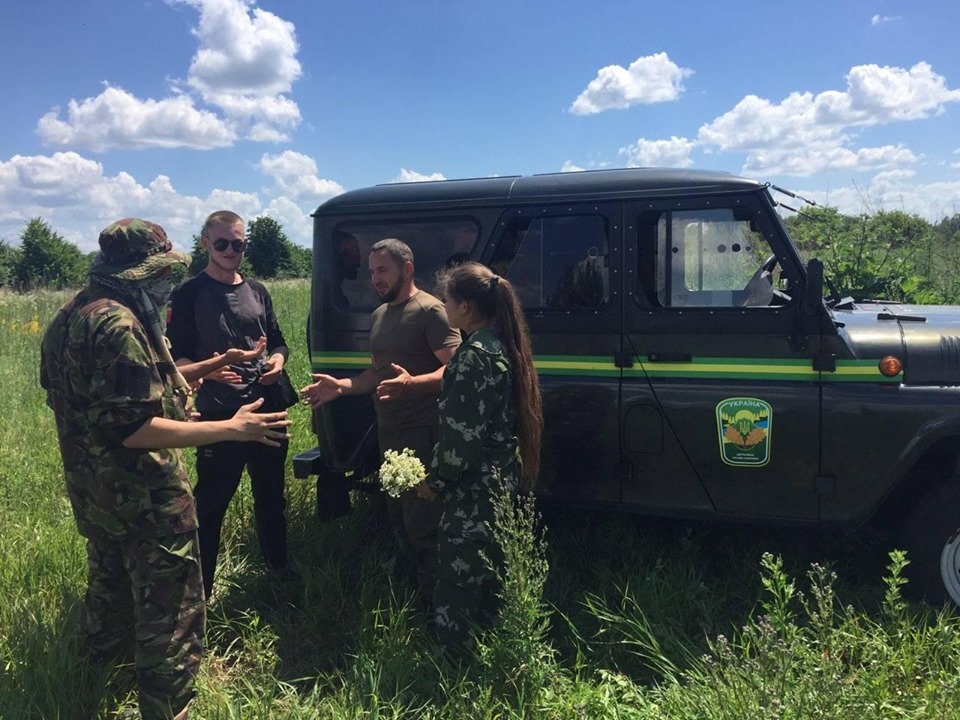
{"x": 465, "y": 595}
{"x": 145, "y": 598}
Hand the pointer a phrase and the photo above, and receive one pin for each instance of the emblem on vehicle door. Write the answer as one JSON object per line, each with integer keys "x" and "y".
{"x": 745, "y": 426}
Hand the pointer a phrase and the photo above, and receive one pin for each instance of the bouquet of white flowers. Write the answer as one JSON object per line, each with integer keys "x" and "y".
{"x": 400, "y": 471}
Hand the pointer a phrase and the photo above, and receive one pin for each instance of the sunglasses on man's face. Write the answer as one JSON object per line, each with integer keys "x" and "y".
{"x": 238, "y": 245}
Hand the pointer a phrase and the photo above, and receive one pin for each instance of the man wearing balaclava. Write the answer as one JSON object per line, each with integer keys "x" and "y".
{"x": 120, "y": 407}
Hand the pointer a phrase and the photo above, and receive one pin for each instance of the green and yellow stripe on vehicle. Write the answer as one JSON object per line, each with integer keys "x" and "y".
{"x": 698, "y": 368}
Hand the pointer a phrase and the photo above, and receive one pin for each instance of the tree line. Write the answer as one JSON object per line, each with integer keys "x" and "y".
{"x": 45, "y": 260}
{"x": 884, "y": 255}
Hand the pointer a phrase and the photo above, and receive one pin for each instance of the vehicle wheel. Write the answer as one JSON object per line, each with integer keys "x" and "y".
{"x": 950, "y": 567}
{"x": 931, "y": 537}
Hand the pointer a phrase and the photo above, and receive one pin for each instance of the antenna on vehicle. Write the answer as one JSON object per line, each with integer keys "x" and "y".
{"x": 793, "y": 195}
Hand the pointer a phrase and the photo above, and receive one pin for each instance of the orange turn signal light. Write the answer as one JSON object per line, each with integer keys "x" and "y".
{"x": 890, "y": 366}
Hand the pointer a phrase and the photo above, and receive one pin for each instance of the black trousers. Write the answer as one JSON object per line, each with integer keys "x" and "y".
{"x": 219, "y": 469}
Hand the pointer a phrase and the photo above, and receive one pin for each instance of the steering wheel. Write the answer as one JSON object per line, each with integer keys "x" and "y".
{"x": 759, "y": 290}
{"x": 767, "y": 266}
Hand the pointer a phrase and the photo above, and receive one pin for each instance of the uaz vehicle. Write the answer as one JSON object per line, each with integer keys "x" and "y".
{"x": 689, "y": 363}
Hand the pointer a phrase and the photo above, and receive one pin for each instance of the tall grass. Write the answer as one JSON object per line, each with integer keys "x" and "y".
{"x": 617, "y": 617}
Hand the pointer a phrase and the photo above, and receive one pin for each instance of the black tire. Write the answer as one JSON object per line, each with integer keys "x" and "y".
{"x": 931, "y": 533}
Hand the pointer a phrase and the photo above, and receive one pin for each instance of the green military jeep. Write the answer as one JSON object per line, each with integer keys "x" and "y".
{"x": 690, "y": 366}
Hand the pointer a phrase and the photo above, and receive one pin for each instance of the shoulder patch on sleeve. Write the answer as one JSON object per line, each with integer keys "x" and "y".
{"x": 133, "y": 380}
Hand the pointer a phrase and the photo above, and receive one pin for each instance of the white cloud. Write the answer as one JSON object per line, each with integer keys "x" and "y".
{"x": 650, "y": 79}
{"x": 263, "y": 132}
{"x": 117, "y": 119}
{"x": 295, "y": 177}
{"x": 296, "y": 221}
{"x": 78, "y": 199}
{"x": 893, "y": 179}
{"x": 413, "y": 176}
{"x": 808, "y": 133}
{"x": 276, "y": 111}
{"x": 570, "y": 166}
{"x": 881, "y": 19}
{"x": 73, "y": 194}
{"x": 878, "y": 95}
{"x": 29, "y": 185}
{"x": 246, "y": 60}
{"x": 895, "y": 190}
{"x": 674, "y": 152}
{"x": 241, "y": 50}
{"x": 802, "y": 162}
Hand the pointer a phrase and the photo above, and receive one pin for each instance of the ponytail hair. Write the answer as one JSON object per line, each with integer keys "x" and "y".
{"x": 496, "y": 300}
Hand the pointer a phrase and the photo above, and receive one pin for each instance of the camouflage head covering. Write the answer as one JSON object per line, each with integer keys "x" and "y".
{"x": 133, "y": 249}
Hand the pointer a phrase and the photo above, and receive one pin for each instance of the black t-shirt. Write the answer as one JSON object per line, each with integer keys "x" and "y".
{"x": 199, "y": 326}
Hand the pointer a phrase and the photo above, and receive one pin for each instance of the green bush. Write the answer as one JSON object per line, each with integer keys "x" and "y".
{"x": 47, "y": 260}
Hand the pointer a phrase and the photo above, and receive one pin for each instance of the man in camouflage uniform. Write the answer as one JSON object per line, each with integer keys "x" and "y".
{"x": 119, "y": 402}
{"x": 475, "y": 458}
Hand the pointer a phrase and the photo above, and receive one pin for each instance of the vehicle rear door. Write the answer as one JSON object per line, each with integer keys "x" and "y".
{"x": 564, "y": 259}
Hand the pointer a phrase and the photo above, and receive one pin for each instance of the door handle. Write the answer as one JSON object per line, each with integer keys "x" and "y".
{"x": 670, "y": 357}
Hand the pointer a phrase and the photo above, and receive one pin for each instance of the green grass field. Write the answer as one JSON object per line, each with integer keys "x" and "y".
{"x": 636, "y": 618}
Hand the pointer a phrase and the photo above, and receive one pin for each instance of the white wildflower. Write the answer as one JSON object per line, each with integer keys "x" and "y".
{"x": 400, "y": 471}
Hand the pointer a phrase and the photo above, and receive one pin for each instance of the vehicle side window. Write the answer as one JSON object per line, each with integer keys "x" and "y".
{"x": 708, "y": 258}
{"x": 435, "y": 244}
{"x": 556, "y": 263}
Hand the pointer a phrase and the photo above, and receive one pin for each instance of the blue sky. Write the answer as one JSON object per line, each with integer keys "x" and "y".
{"x": 170, "y": 109}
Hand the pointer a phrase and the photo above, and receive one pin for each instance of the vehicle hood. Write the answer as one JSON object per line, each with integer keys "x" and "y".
{"x": 925, "y": 337}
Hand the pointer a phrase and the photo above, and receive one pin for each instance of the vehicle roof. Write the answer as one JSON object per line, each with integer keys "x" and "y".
{"x": 584, "y": 185}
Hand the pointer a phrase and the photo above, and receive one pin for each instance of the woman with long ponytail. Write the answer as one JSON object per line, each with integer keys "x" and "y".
{"x": 490, "y": 426}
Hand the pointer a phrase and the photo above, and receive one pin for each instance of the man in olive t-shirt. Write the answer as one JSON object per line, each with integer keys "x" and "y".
{"x": 410, "y": 343}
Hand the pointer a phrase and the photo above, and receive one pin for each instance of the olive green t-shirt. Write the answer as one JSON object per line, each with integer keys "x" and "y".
{"x": 408, "y": 334}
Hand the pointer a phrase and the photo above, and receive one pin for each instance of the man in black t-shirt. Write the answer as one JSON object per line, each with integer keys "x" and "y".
{"x": 217, "y": 310}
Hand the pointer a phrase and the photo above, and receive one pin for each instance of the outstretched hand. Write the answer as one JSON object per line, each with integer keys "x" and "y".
{"x": 224, "y": 374}
{"x": 272, "y": 367}
{"x": 239, "y": 355}
{"x": 323, "y": 389}
{"x": 235, "y": 356}
{"x": 395, "y": 387}
{"x": 266, "y": 428}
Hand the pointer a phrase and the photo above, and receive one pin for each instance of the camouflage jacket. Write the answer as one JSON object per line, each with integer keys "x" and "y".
{"x": 100, "y": 373}
{"x": 478, "y": 419}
